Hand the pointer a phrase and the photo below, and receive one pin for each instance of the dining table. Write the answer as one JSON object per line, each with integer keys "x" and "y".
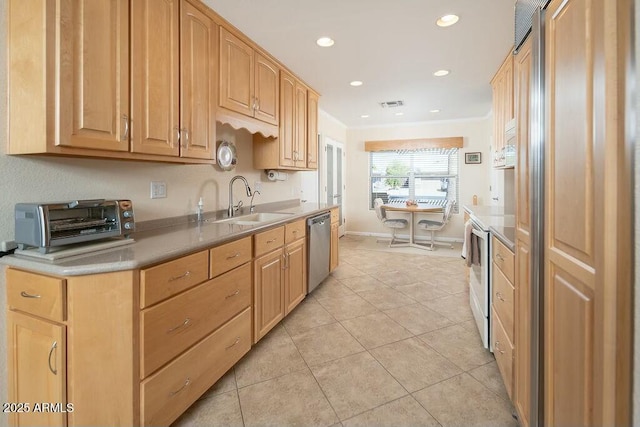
{"x": 412, "y": 210}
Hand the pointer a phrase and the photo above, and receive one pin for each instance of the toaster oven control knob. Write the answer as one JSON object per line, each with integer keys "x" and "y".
{"x": 128, "y": 225}
{"x": 127, "y": 214}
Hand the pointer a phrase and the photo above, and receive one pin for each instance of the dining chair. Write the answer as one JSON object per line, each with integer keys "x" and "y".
{"x": 433, "y": 226}
{"x": 393, "y": 224}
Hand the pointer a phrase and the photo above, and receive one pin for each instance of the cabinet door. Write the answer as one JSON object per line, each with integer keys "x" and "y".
{"x": 94, "y": 74}
{"x": 312, "y": 130}
{"x": 333, "y": 263}
{"x": 267, "y": 90}
{"x": 198, "y": 83}
{"x": 522, "y": 364}
{"x": 268, "y": 292}
{"x": 295, "y": 287}
{"x": 155, "y": 77}
{"x": 37, "y": 368}
{"x": 287, "y": 119}
{"x": 236, "y": 74}
{"x": 300, "y": 137}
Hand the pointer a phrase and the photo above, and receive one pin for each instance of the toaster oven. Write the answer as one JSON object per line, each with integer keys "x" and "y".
{"x": 48, "y": 225}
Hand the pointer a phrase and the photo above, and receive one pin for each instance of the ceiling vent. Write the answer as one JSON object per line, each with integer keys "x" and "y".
{"x": 392, "y": 104}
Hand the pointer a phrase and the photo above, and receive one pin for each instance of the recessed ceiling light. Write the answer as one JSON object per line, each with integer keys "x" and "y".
{"x": 356, "y": 83}
{"x": 365, "y": 116}
{"x": 399, "y": 113}
{"x": 434, "y": 111}
{"x": 325, "y": 42}
{"x": 447, "y": 20}
{"x": 441, "y": 73}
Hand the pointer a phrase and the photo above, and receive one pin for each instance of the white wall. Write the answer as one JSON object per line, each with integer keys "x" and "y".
{"x": 474, "y": 178}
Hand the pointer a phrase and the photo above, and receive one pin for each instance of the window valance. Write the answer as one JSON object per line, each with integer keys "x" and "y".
{"x": 414, "y": 144}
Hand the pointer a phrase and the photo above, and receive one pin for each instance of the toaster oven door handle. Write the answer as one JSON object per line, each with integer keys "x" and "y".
{"x": 85, "y": 203}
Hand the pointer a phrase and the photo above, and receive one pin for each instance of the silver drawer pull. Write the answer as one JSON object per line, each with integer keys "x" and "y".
{"x": 235, "y": 343}
{"x": 182, "y": 325}
{"x": 26, "y": 295}
{"x": 234, "y": 256}
{"x": 271, "y": 241}
{"x": 233, "y": 294}
{"x": 53, "y": 347}
{"x": 497, "y": 346}
{"x": 186, "y": 383}
{"x": 499, "y": 296}
{"x": 499, "y": 257}
{"x": 126, "y": 127}
{"x": 183, "y": 276}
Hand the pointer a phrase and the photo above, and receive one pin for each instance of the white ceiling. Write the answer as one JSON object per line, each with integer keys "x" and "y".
{"x": 393, "y": 46}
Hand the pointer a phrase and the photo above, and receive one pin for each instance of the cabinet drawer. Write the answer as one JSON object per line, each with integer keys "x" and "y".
{"x": 162, "y": 281}
{"x": 502, "y": 298}
{"x": 294, "y": 231}
{"x": 503, "y": 351}
{"x": 230, "y": 255}
{"x": 268, "y": 240}
{"x": 335, "y": 215}
{"x": 41, "y": 296}
{"x": 172, "y": 326}
{"x": 504, "y": 258}
{"x": 170, "y": 391}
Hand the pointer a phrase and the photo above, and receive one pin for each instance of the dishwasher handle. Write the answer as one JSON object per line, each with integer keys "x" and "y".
{"x": 319, "y": 220}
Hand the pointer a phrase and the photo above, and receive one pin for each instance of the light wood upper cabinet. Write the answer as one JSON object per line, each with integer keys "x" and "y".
{"x": 502, "y": 86}
{"x": 312, "y": 129}
{"x": 94, "y": 80}
{"x": 236, "y": 74}
{"x": 198, "y": 83}
{"x": 287, "y": 121}
{"x": 300, "y": 139}
{"x": 69, "y": 94}
{"x": 248, "y": 82}
{"x": 155, "y": 67}
{"x": 298, "y": 118}
{"x": 74, "y": 94}
{"x": 37, "y": 368}
{"x": 267, "y": 89}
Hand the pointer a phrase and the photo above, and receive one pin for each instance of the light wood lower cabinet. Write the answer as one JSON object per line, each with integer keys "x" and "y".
{"x": 148, "y": 342}
{"x": 335, "y": 237}
{"x": 169, "y": 392}
{"x": 502, "y": 311}
{"x": 280, "y": 280}
{"x": 268, "y": 292}
{"x": 295, "y": 277}
{"x": 37, "y": 369}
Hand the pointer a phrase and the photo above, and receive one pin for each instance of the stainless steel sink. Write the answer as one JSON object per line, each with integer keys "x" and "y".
{"x": 254, "y": 219}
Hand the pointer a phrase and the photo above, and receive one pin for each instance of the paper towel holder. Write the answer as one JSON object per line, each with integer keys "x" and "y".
{"x": 274, "y": 175}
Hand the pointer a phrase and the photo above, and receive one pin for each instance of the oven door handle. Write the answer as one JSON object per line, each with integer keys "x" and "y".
{"x": 480, "y": 234}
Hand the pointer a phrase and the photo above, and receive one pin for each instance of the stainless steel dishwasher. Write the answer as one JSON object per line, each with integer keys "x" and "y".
{"x": 319, "y": 244}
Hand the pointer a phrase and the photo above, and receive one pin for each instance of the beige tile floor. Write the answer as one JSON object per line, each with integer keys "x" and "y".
{"x": 386, "y": 340}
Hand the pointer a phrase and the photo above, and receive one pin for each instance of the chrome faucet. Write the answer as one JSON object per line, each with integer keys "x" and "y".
{"x": 232, "y": 209}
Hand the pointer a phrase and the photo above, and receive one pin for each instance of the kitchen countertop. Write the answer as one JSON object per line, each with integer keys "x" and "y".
{"x": 158, "y": 245}
{"x": 495, "y": 220}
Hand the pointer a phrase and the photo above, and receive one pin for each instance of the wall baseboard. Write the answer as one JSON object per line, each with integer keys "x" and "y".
{"x": 402, "y": 236}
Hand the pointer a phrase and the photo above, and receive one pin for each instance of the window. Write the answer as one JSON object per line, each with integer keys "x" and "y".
{"x": 427, "y": 176}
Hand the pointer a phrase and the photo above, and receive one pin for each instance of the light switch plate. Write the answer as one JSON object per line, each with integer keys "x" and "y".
{"x": 158, "y": 189}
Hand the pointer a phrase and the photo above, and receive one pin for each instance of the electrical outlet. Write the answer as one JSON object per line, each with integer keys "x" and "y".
{"x": 257, "y": 186}
{"x": 158, "y": 189}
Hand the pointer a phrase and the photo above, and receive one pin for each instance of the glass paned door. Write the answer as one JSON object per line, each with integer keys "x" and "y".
{"x": 333, "y": 176}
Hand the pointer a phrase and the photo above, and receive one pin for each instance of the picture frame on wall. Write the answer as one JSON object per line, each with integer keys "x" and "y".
{"x": 474, "y": 158}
